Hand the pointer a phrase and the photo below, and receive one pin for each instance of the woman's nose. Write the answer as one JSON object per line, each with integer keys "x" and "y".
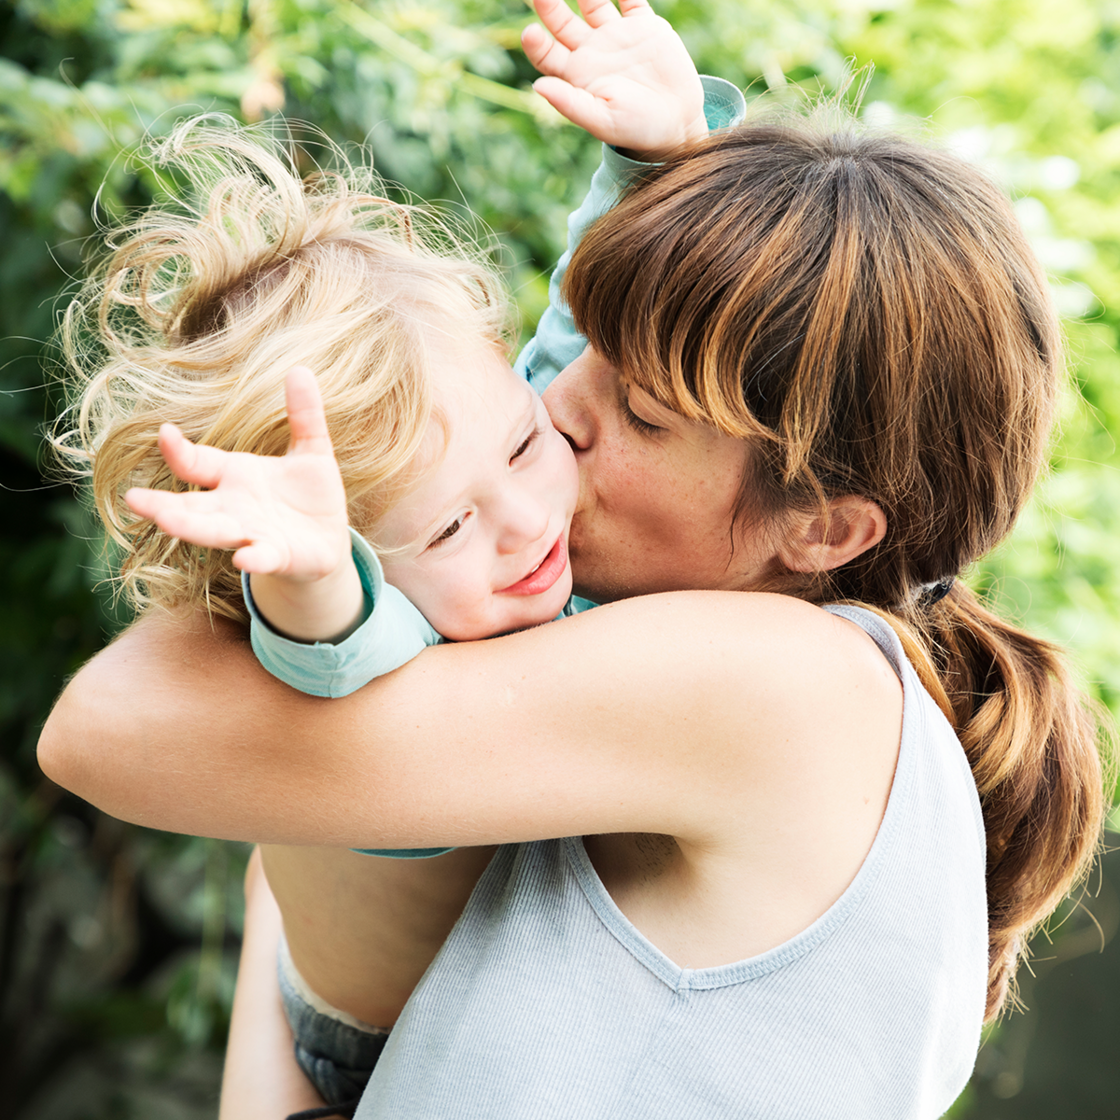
{"x": 566, "y": 400}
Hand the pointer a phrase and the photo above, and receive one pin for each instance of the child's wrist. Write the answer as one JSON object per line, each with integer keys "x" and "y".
{"x": 696, "y": 129}
{"x": 328, "y": 609}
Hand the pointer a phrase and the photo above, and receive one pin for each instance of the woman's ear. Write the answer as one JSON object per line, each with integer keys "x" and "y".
{"x": 822, "y": 542}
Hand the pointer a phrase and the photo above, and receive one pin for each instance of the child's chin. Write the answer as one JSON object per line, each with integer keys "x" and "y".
{"x": 538, "y": 610}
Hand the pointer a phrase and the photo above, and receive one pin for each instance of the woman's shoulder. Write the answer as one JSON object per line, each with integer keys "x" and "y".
{"x": 784, "y": 693}
{"x": 791, "y": 645}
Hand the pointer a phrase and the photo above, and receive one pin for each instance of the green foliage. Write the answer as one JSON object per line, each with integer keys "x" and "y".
{"x": 116, "y": 942}
{"x": 1028, "y": 87}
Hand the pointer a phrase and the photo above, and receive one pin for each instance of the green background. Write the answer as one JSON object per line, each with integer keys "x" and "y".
{"x": 118, "y": 945}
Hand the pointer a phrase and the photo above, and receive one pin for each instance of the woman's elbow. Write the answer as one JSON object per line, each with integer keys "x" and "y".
{"x": 92, "y": 743}
{"x": 69, "y": 740}
{"x": 54, "y": 758}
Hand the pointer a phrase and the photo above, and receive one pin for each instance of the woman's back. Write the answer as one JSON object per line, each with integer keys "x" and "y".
{"x": 545, "y": 973}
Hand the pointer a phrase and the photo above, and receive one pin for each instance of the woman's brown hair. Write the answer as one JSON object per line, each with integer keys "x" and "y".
{"x": 866, "y": 313}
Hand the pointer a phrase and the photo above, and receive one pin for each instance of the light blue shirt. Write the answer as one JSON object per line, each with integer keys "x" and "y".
{"x": 393, "y": 632}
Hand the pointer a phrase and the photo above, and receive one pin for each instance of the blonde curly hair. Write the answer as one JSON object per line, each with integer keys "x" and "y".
{"x": 206, "y": 300}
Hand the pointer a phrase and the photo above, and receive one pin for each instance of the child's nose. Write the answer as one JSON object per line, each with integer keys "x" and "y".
{"x": 526, "y": 519}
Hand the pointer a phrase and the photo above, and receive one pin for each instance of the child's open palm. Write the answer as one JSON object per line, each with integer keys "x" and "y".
{"x": 285, "y": 515}
{"x": 621, "y": 73}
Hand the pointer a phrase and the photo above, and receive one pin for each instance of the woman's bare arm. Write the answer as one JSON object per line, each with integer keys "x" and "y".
{"x": 684, "y": 714}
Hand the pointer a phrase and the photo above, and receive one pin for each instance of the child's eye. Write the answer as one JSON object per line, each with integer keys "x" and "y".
{"x": 528, "y": 442}
{"x": 449, "y": 532}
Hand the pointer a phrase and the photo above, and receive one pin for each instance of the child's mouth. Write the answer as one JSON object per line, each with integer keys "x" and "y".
{"x": 544, "y": 575}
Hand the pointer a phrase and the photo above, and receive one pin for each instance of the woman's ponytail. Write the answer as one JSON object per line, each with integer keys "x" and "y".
{"x": 1033, "y": 741}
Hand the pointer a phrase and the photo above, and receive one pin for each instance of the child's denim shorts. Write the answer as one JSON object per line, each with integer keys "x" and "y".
{"x": 334, "y": 1050}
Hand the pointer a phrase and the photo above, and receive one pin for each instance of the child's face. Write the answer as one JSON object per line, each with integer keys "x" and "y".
{"x": 484, "y": 534}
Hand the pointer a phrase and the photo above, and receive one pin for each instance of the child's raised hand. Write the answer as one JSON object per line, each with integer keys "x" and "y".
{"x": 284, "y": 514}
{"x": 621, "y": 73}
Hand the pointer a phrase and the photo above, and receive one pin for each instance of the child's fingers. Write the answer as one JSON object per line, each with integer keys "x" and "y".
{"x": 563, "y": 24}
{"x": 259, "y": 558}
{"x": 634, "y": 7}
{"x": 192, "y": 462}
{"x": 579, "y": 106}
{"x": 174, "y": 514}
{"x": 598, "y": 12}
{"x": 548, "y": 55}
{"x": 306, "y": 417}
{"x": 144, "y": 503}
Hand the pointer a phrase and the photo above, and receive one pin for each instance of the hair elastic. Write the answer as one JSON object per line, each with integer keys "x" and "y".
{"x": 931, "y": 593}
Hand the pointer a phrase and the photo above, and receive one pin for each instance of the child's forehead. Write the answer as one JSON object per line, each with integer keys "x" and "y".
{"x": 476, "y": 372}
{"x": 481, "y": 409}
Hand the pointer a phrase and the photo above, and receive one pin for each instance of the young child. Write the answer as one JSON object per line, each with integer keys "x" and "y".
{"x": 445, "y": 482}
{"x": 443, "y": 457}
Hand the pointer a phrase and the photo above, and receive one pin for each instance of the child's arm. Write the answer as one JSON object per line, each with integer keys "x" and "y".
{"x": 643, "y": 102}
{"x": 323, "y": 619}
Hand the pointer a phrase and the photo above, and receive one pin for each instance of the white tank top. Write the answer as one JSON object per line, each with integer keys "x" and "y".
{"x": 547, "y": 1004}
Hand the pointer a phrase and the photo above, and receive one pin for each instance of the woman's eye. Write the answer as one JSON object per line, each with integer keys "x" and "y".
{"x": 526, "y": 444}
{"x": 636, "y": 422}
{"x": 449, "y": 532}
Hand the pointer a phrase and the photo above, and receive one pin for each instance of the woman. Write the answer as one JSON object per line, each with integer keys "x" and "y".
{"x": 821, "y": 367}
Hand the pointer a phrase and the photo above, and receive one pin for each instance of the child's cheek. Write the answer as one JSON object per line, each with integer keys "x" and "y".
{"x": 420, "y": 587}
{"x": 452, "y": 595}
{"x": 456, "y": 607}
{"x": 565, "y": 472}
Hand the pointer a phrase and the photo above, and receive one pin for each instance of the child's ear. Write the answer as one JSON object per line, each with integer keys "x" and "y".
{"x": 820, "y": 543}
